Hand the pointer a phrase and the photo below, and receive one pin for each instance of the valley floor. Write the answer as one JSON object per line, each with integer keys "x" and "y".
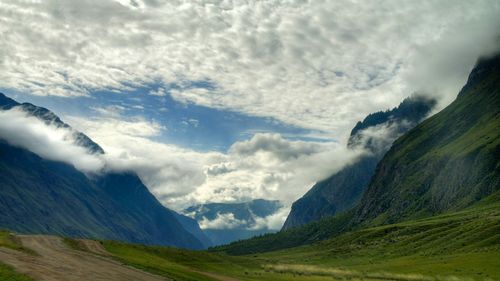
{"x": 456, "y": 246}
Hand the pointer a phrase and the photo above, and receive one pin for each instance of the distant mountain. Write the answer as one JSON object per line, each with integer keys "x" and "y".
{"x": 344, "y": 189}
{"x": 448, "y": 163}
{"x": 50, "y": 197}
{"x": 227, "y": 222}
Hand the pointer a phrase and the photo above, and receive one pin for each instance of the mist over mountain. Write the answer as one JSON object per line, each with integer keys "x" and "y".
{"x": 52, "y": 197}
{"x": 342, "y": 190}
{"x": 49, "y": 118}
{"x": 447, "y": 163}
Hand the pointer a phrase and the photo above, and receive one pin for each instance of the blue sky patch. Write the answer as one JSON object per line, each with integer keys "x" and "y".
{"x": 187, "y": 125}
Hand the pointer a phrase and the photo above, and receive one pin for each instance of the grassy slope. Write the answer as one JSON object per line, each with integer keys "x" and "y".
{"x": 446, "y": 163}
{"x": 463, "y": 245}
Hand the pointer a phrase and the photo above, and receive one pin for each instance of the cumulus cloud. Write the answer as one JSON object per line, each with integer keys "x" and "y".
{"x": 273, "y": 222}
{"x": 222, "y": 221}
{"x": 229, "y": 221}
{"x": 266, "y": 166}
{"x": 269, "y": 166}
{"x": 48, "y": 141}
{"x": 320, "y": 65}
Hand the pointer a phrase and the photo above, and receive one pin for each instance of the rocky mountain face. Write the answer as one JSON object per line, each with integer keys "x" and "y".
{"x": 448, "y": 162}
{"x": 343, "y": 190}
{"x": 50, "y": 197}
{"x": 227, "y": 222}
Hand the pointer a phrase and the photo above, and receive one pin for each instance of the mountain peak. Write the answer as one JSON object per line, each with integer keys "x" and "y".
{"x": 482, "y": 68}
{"x": 50, "y": 118}
{"x": 6, "y": 102}
{"x": 409, "y": 112}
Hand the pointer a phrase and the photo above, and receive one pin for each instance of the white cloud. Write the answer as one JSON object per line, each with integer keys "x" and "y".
{"x": 266, "y": 166}
{"x": 222, "y": 221}
{"x": 168, "y": 171}
{"x": 273, "y": 222}
{"x": 111, "y": 110}
{"x": 321, "y": 64}
{"x": 160, "y": 92}
{"x": 48, "y": 141}
{"x": 229, "y": 221}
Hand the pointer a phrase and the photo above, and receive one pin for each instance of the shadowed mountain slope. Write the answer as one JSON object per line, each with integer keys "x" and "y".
{"x": 50, "y": 197}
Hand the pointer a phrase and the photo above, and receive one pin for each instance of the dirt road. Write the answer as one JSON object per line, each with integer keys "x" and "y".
{"x": 57, "y": 262}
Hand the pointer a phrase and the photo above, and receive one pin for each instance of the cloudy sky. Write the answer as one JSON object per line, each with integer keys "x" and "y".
{"x": 225, "y": 101}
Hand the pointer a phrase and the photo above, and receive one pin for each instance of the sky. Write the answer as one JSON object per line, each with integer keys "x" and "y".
{"x": 227, "y": 101}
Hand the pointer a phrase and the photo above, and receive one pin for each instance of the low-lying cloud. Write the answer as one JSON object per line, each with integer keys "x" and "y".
{"x": 228, "y": 220}
{"x": 265, "y": 166}
{"x": 222, "y": 221}
{"x": 49, "y": 142}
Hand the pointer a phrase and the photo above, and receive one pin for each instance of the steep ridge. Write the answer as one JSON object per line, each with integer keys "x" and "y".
{"x": 448, "y": 162}
{"x": 50, "y": 197}
{"x": 344, "y": 189}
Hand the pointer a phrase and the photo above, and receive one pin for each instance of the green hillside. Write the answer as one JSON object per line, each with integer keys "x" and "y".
{"x": 448, "y": 162}
{"x": 461, "y": 245}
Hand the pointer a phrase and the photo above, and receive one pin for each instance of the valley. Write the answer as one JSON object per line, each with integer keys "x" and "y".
{"x": 150, "y": 140}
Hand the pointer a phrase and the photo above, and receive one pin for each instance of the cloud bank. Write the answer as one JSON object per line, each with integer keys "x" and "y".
{"x": 265, "y": 166}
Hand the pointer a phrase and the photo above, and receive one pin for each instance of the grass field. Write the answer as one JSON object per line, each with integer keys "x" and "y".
{"x": 456, "y": 246}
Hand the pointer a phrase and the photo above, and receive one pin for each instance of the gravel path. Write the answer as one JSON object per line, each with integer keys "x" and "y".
{"x": 57, "y": 262}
